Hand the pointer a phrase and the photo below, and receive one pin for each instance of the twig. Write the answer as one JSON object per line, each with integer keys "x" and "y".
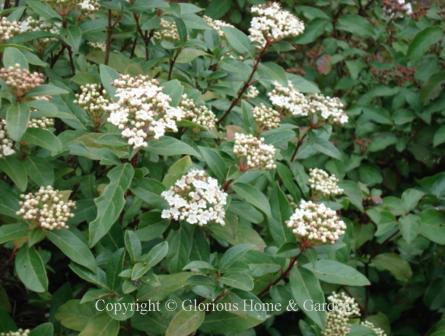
{"x": 284, "y": 274}
{"x": 7, "y": 4}
{"x": 246, "y": 84}
{"x": 172, "y": 64}
{"x": 299, "y": 143}
{"x": 109, "y": 37}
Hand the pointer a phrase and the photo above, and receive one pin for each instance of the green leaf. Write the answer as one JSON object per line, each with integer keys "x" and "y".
{"x": 409, "y": 227}
{"x": 111, "y": 202}
{"x": 332, "y": 271}
{"x": 107, "y": 76}
{"x": 238, "y": 40}
{"x": 39, "y": 170}
{"x": 169, "y": 146}
{"x": 439, "y": 136}
{"x": 312, "y": 31}
{"x": 101, "y": 325}
{"x": 410, "y": 198}
{"x": 31, "y": 270}
{"x": 356, "y": 24}
{"x": 240, "y": 280}
{"x": 423, "y": 41}
{"x": 433, "y": 225}
{"x": 43, "y": 138}
{"x": 156, "y": 254}
{"x": 15, "y": 170}
{"x": 42, "y": 9}
{"x": 176, "y": 170}
{"x": 13, "y": 56}
{"x": 73, "y": 247}
{"x": 215, "y": 162}
{"x": 217, "y": 9}
{"x": 185, "y": 323}
{"x": 394, "y": 264}
{"x": 133, "y": 245}
{"x": 306, "y": 288}
{"x": 11, "y": 232}
{"x": 252, "y": 196}
{"x": 46, "y": 90}
{"x": 45, "y": 329}
{"x": 73, "y": 37}
{"x": 17, "y": 118}
{"x": 187, "y": 55}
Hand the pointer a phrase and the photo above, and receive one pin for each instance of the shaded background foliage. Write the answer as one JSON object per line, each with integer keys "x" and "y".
{"x": 388, "y": 69}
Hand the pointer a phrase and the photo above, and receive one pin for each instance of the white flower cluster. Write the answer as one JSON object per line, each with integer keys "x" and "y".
{"x": 216, "y": 25}
{"x": 377, "y": 331}
{"x": 92, "y": 99}
{"x": 31, "y": 24}
{"x": 43, "y": 122}
{"x": 196, "y": 198}
{"x": 316, "y": 223}
{"x": 8, "y": 29}
{"x": 344, "y": 308}
{"x": 21, "y": 81}
{"x": 316, "y": 106}
{"x": 253, "y": 152}
{"x": 266, "y": 117}
{"x": 200, "y": 115}
{"x": 320, "y": 181}
{"x": 6, "y": 144}
{"x": 89, "y": 6}
{"x": 271, "y": 23}
{"x": 252, "y": 92}
{"x": 19, "y": 332}
{"x": 289, "y": 99}
{"x": 47, "y": 208}
{"x": 167, "y": 31}
{"x": 142, "y": 111}
{"x": 397, "y": 8}
{"x": 98, "y": 45}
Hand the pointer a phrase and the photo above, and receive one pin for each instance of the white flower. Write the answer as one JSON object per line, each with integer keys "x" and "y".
{"x": 377, "y": 331}
{"x": 271, "y": 23}
{"x": 316, "y": 223}
{"x": 142, "y": 111}
{"x": 41, "y": 122}
{"x": 199, "y": 114}
{"x": 217, "y": 25}
{"x": 266, "y": 117}
{"x": 46, "y": 208}
{"x": 6, "y": 144}
{"x": 253, "y": 152}
{"x": 98, "y": 45}
{"x": 252, "y": 92}
{"x": 8, "y": 29}
{"x": 289, "y": 99}
{"x": 20, "y": 80}
{"x": 31, "y": 24}
{"x": 320, "y": 181}
{"x": 330, "y": 109}
{"x": 19, "y": 332}
{"x": 343, "y": 309}
{"x": 195, "y": 198}
{"x": 92, "y": 99}
{"x": 167, "y": 30}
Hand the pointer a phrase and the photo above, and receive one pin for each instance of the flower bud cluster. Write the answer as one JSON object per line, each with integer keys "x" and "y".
{"x": 43, "y": 122}
{"x": 253, "y": 152}
{"x": 271, "y": 23}
{"x": 87, "y": 6}
{"x": 19, "y": 332}
{"x": 6, "y": 144}
{"x": 141, "y": 110}
{"x": 21, "y": 81}
{"x": 92, "y": 99}
{"x": 377, "y": 331}
{"x": 196, "y": 198}
{"x": 31, "y": 24}
{"x": 252, "y": 92}
{"x": 397, "y": 8}
{"x": 316, "y": 106}
{"x": 320, "y": 181}
{"x": 98, "y": 45}
{"x": 167, "y": 30}
{"x": 200, "y": 115}
{"x": 316, "y": 223}
{"x": 8, "y": 29}
{"x": 338, "y": 319}
{"x": 216, "y": 25}
{"x": 266, "y": 117}
{"x": 48, "y": 208}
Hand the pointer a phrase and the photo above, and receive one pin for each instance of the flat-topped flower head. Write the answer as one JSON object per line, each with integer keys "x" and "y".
{"x": 6, "y": 143}
{"x": 141, "y": 110}
{"x": 43, "y": 122}
{"x": 343, "y": 308}
{"x": 8, "y": 29}
{"x": 253, "y": 153}
{"x": 92, "y": 99}
{"x": 199, "y": 114}
{"x": 266, "y": 117}
{"x": 31, "y": 24}
{"x": 89, "y": 6}
{"x": 167, "y": 30}
{"x": 197, "y": 199}
{"x": 252, "y": 92}
{"x": 19, "y": 332}
{"x": 377, "y": 331}
{"x": 20, "y": 80}
{"x": 271, "y": 23}
{"x": 329, "y": 109}
{"x": 289, "y": 99}
{"x": 216, "y": 25}
{"x": 85, "y": 6}
{"x": 47, "y": 208}
{"x": 321, "y": 182}
{"x": 316, "y": 223}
